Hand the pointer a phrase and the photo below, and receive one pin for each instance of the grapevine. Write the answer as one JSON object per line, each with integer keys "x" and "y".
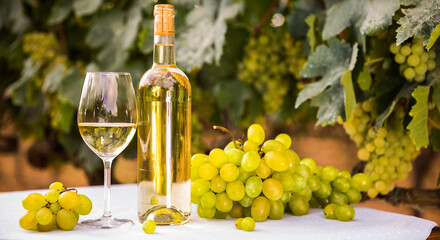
{"x": 261, "y": 179}
{"x": 388, "y": 151}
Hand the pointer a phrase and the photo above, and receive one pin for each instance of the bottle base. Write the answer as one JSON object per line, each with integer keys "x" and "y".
{"x": 164, "y": 216}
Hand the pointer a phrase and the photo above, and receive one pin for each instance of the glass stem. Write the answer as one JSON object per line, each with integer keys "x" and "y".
{"x": 107, "y": 182}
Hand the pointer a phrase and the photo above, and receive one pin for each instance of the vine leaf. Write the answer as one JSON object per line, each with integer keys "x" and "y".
{"x": 418, "y": 21}
{"x": 330, "y": 63}
{"x": 302, "y": 10}
{"x": 418, "y": 126}
{"x": 370, "y": 16}
{"x": 349, "y": 96}
{"x": 312, "y": 34}
{"x": 404, "y": 92}
{"x": 434, "y": 36}
{"x": 86, "y": 7}
{"x": 60, "y": 11}
{"x": 203, "y": 41}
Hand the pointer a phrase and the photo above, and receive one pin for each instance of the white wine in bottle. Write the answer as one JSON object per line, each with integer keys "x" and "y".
{"x": 164, "y": 131}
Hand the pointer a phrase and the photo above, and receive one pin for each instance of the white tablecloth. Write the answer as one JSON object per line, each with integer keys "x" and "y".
{"x": 368, "y": 223}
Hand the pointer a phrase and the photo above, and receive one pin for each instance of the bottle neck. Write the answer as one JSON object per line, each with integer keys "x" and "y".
{"x": 163, "y": 51}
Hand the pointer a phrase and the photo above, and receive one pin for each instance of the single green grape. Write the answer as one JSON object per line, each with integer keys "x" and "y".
{"x": 260, "y": 209}
{"x": 254, "y": 186}
{"x": 29, "y": 220}
{"x": 218, "y": 185}
{"x": 149, "y": 226}
{"x": 256, "y": 134}
{"x": 85, "y": 206}
{"x": 313, "y": 182}
{"x": 52, "y": 196}
{"x": 223, "y": 203}
{"x": 299, "y": 205}
{"x": 405, "y": 50}
{"x": 276, "y": 209}
{"x": 56, "y": 186}
{"x": 218, "y": 157}
{"x": 361, "y": 182}
{"x": 263, "y": 170}
{"x": 272, "y": 189}
{"x": 220, "y": 215}
{"x": 277, "y": 160}
{"x": 394, "y": 48}
{"x": 329, "y": 211}
{"x": 236, "y": 211}
{"x": 285, "y": 179}
{"x": 341, "y": 184}
{"x": 344, "y": 213}
{"x": 34, "y": 202}
{"x": 310, "y": 163}
{"x": 248, "y": 224}
{"x": 246, "y": 201}
{"x": 304, "y": 171}
{"x": 338, "y": 198}
{"x": 208, "y": 199}
{"x": 329, "y": 173}
{"x": 229, "y": 172}
{"x": 273, "y": 145}
{"x": 409, "y": 73}
{"x": 238, "y": 223}
{"x": 353, "y": 196}
{"x": 55, "y": 207}
{"x": 324, "y": 190}
{"x": 195, "y": 199}
{"x": 200, "y": 186}
{"x": 300, "y": 183}
{"x": 250, "y": 161}
{"x": 235, "y": 156}
{"x": 48, "y": 227}
{"x": 66, "y": 219}
{"x": 208, "y": 171}
{"x": 284, "y": 139}
{"x": 399, "y": 58}
{"x": 250, "y": 146}
{"x": 235, "y": 190}
{"x": 293, "y": 159}
{"x": 413, "y": 60}
{"x": 69, "y": 200}
{"x": 198, "y": 159}
{"x": 44, "y": 216}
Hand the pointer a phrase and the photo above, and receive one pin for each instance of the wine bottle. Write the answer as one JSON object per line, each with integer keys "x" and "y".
{"x": 164, "y": 131}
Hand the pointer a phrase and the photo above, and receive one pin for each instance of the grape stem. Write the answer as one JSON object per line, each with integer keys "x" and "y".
{"x": 412, "y": 196}
{"x": 71, "y": 189}
{"x": 225, "y": 130}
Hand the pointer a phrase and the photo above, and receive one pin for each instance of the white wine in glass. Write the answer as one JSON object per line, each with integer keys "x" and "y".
{"x": 107, "y": 123}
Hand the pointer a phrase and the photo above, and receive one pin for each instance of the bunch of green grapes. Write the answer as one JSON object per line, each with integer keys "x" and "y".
{"x": 265, "y": 67}
{"x": 261, "y": 179}
{"x": 57, "y": 208}
{"x": 414, "y": 60}
{"x": 296, "y": 58}
{"x": 41, "y": 46}
{"x": 388, "y": 151}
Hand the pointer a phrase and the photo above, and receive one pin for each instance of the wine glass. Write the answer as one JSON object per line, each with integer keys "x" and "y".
{"x": 107, "y": 123}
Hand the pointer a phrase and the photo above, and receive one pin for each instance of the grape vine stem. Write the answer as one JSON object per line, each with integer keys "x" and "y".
{"x": 225, "y": 130}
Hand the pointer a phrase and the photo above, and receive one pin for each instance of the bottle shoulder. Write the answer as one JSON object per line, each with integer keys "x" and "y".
{"x": 165, "y": 76}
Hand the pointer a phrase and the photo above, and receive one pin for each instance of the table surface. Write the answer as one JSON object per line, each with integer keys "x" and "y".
{"x": 368, "y": 223}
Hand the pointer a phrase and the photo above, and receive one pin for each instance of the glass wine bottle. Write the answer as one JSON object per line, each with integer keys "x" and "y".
{"x": 164, "y": 131}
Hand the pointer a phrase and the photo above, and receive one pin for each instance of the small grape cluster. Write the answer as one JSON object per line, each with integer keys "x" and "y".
{"x": 261, "y": 179}
{"x": 267, "y": 63}
{"x": 41, "y": 46}
{"x": 388, "y": 151}
{"x": 414, "y": 60}
{"x": 59, "y": 207}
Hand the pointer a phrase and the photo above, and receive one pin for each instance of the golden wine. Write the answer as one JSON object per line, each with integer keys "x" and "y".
{"x": 164, "y": 132}
{"x": 107, "y": 140}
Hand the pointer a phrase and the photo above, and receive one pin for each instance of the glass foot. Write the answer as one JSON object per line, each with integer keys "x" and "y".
{"x": 107, "y": 223}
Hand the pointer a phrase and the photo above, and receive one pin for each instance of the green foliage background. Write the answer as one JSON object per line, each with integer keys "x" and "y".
{"x": 47, "y": 47}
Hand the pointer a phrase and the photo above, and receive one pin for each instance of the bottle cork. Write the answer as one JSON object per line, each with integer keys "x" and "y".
{"x": 164, "y": 19}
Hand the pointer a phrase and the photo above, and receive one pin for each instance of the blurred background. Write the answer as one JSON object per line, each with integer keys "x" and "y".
{"x": 243, "y": 58}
